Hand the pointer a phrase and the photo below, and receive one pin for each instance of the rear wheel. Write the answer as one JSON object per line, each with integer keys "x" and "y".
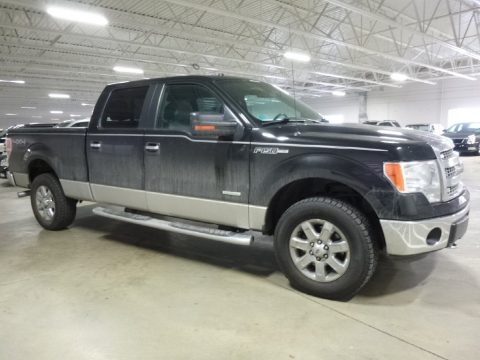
{"x": 324, "y": 247}
{"x": 52, "y": 209}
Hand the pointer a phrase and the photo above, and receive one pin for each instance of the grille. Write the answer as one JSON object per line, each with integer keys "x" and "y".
{"x": 451, "y": 169}
{"x": 458, "y": 141}
{"x": 446, "y": 154}
{"x": 452, "y": 190}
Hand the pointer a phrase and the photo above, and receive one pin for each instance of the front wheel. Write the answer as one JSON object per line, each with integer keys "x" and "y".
{"x": 324, "y": 247}
{"x": 52, "y": 209}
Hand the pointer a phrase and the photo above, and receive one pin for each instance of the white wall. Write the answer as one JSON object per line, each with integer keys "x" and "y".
{"x": 413, "y": 103}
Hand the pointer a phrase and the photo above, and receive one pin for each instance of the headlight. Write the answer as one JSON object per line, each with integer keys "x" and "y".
{"x": 415, "y": 176}
{"x": 471, "y": 139}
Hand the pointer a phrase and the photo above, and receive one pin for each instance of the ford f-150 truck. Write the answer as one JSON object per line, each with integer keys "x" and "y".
{"x": 227, "y": 158}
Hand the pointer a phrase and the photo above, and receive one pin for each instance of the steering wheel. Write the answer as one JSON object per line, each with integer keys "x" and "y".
{"x": 285, "y": 116}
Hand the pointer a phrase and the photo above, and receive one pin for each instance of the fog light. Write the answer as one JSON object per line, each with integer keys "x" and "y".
{"x": 434, "y": 236}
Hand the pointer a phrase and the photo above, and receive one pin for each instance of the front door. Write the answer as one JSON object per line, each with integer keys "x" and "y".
{"x": 205, "y": 179}
{"x": 115, "y": 149}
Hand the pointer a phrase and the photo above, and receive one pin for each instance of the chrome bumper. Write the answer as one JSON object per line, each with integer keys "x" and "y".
{"x": 410, "y": 237}
{"x": 11, "y": 179}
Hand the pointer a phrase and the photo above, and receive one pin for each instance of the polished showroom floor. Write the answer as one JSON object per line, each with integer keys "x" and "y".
{"x": 108, "y": 290}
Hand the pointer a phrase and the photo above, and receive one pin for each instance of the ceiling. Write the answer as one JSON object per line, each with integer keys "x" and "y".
{"x": 354, "y": 46}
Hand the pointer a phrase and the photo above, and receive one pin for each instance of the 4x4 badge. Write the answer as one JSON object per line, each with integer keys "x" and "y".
{"x": 269, "y": 150}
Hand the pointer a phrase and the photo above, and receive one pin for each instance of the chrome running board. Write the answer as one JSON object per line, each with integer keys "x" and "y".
{"x": 176, "y": 226}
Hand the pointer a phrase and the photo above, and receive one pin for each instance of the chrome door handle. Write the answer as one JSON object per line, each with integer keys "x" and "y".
{"x": 152, "y": 147}
{"x": 95, "y": 144}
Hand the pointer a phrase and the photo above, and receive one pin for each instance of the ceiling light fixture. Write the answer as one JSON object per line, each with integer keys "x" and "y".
{"x": 338, "y": 93}
{"x": 75, "y": 115}
{"x": 58, "y": 96}
{"x": 36, "y": 116}
{"x": 10, "y": 114}
{"x": 13, "y": 81}
{"x": 28, "y": 107}
{"x": 295, "y": 56}
{"x": 398, "y": 76}
{"x": 128, "y": 70}
{"x": 86, "y": 17}
{"x": 56, "y": 112}
{"x": 86, "y": 104}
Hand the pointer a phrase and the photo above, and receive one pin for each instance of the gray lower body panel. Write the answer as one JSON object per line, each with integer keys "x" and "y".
{"x": 410, "y": 237}
{"x": 233, "y": 214}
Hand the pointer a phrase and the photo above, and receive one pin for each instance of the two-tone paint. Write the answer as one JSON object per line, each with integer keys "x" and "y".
{"x": 224, "y": 181}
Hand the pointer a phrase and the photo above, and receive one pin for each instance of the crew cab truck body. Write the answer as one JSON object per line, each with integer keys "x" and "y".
{"x": 224, "y": 158}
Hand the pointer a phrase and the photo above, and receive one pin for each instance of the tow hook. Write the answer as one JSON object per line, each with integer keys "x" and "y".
{"x": 22, "y": 194}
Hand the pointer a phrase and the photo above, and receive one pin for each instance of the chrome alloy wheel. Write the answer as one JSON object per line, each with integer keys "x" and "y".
{"x": 319, "y": 250}
{"x": 45, "y": 203}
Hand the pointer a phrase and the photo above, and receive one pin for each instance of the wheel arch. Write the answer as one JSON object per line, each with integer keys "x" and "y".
{"x": 38, "y": 166}
{"x": 301, "y": 189}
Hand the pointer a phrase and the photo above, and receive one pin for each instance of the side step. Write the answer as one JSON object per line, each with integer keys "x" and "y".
{"x": 178, "y": 227}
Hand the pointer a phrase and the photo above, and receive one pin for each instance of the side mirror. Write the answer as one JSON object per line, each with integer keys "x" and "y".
{"x": 211, "y": 125}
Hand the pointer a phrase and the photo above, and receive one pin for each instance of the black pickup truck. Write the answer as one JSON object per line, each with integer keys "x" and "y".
{"x": 225, "y": 158}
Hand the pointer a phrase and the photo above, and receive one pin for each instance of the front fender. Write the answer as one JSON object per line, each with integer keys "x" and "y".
{"x": 335, "y": 168}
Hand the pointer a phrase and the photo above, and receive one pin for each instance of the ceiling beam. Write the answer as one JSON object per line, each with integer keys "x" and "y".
{"x": 253, "y": 20}
{"x": 392, "y": 23}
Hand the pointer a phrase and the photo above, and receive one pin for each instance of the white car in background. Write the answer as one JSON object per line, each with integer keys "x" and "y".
{"x": 435, "y": 128}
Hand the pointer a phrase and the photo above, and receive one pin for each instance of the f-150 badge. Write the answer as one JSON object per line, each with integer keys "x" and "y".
{"x": 269, "y": 150}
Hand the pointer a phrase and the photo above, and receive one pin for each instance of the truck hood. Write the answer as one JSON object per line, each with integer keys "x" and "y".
{"x": 459, "y": 135}
{"x": 361, "y": 136}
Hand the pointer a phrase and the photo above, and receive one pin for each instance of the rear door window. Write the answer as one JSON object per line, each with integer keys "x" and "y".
{"x": 124, "y": 108}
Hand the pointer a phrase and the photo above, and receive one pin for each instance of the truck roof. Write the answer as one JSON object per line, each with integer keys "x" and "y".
{"x": 181, "y": 77}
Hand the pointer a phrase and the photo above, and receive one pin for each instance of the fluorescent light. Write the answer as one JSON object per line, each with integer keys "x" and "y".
{"x": 28, "y": 107}
{"x": 398, "y": 77}
{"x": 55, "y": 119}
{"x": 14, "y": 81}
{"x": 85, "y": 104}
{"x": 10, "y": 114}
{"x": 59, "y": 96}
{"x": 338, "y": 93}
{"x": 290, "y": 55}
{"x": 56, "y": 112}
{"x": 129, "y": 70}
{"x": 75, "y": 115}
{"x": 85, "y": 17}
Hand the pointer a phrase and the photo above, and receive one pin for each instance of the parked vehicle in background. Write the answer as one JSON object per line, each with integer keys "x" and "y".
{"x": 225, "y": 158}
{"x": 74, "y": 123}
{"x": 3, "y": 136}
{"x": 466, "y": 137}
{"x": 391, "y": 123}
{"x": 434, "y": 128}
{"x": 3, "y": 166}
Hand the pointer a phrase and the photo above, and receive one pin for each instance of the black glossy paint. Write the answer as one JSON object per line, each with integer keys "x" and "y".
{"x": 257, "y": 162}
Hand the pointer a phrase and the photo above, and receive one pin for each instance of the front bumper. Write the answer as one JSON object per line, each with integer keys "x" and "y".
{"x": 11, "y": 179}
{"x": 416, "y": 237}
{"x": 466, "y": 148}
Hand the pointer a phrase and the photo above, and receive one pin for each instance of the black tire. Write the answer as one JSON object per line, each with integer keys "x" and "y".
{"x": 64, "y": 210}
{"x": 352, "y": 225}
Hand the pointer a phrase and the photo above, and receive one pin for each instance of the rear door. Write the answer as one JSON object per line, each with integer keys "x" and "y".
{"x": 115, "y": 148}
{"x": 205, "y": 179}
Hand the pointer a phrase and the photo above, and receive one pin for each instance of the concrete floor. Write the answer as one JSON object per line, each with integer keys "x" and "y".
{"x": 109, "y": 290}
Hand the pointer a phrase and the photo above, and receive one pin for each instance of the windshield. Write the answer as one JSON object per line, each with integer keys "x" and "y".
{"x": 465, "y": 127}
{"x": 266, "y": 102}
